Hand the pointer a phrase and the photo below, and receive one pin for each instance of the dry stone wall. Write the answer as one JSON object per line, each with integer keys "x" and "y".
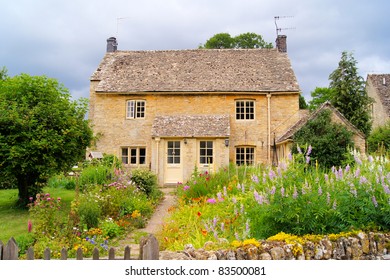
{"x": 371, "y": 246}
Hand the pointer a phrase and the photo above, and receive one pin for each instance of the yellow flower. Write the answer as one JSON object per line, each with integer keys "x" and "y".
{"x": 251, "y": 241}
{"x": 236, "y": 243}
{"x": 135, "y": 214}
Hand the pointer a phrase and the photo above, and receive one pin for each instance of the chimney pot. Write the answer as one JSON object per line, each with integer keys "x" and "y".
{"x": 112, "y": 44}
{"x": 281, "y": 43}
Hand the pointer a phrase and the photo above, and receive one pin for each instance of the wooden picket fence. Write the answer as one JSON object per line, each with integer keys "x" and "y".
{"x": 149, "y": 250}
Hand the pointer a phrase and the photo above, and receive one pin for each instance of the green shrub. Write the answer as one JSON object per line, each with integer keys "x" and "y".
{"x": 62, "y": 181}
{"x": 110, "y": 228}
{"x": 145, "y": 180}
{"x": 89, "y": 212}
{"x": 94, "y": 175}
{"x": 25, "y": 241}
{"x": 379, "y": 139}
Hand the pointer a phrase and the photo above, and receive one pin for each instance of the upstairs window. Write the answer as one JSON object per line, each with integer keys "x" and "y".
{"x": 245, "y": 110}
{"x": 135, "y": 109}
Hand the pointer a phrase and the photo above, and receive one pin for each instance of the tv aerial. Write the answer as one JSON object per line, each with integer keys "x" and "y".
{"x": 278, "y": 29}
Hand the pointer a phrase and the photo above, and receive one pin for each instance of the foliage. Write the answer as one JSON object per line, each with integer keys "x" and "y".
{"x": 3, "y": 73}
{"x": 294, "y": 198}
{"x": 62, "y": 181}
{"x": 95, "y": 175}
{"x": 42, "y": 131}
{"x": 379, "y": 139}
{"x": 350, "y": 96}
{"x": 320, "y": 96}
{"x": 243, "y": 41}
{"x": 329, "y": 141}
{"x": 302, "y": 102}
{"x": 145, "y": 180}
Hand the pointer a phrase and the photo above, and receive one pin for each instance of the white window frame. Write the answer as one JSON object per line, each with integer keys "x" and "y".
{"x": 133, "y": 156}
{"x": 247, "y": 109}
{"x": 135, "y": 109}
{"x": 205, "y": 156}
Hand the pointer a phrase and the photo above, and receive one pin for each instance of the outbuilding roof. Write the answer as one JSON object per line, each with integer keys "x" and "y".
{"x": 381, "y": 83}
{"x": 199, "y": 70}
{"x": 191, "y": 126}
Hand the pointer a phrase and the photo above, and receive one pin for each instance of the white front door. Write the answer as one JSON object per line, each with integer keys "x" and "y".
{"x": 173, "y": 163}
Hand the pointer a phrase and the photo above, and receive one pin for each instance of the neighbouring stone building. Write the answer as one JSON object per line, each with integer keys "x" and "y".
{"x": 378, "y": 88}
{"x": 284, "y": 142}
{"x": 176, "y": 110}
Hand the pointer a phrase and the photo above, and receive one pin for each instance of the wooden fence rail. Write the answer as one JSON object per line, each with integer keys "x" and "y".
{"x": 149, "y": 250}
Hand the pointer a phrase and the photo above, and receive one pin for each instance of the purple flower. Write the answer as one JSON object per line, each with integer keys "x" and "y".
{"x": 357, "y": 172}
{"x": 347, "y": 168}
{"x": 219, "y": 195}
{"x": 357, "y": 160}
{"x": 295, "y": 194}
{"x": 289, "y": 156}
{"x": 234, "y": 200}
{"x": 386, "y": 189}
{"x": 224, "y": 191}
{"x": 222, "y": 226}
{"x": 215, "y": 220}
{"x": 186, "y": 187}
{"x": 307, "y": 159}
{"x": 319, "y": 190}
{"x": 272, "y": 192}
{"x": 326, "y": 177}
{"x": 255, "y": 179}
{"x": 334, "y": 205}
{"x": 363, "y": 180}
{"x": 309, "y": 149}
{"x": 272, "y": 174}
{"x": 282, "y": 191}
{"x": 328, "y": 198}
{"x": 374, "y": 201}
{"x": 211, "y": 201}
{"x": 299, "y": 149}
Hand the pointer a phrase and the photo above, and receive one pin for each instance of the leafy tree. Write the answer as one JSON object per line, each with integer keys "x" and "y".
{"x": 350, "y": 96}
{"x": 251, "y": 41}
{"x": 42, "y": 131}
{"x": 302, "y": 102}
{"x": 219, "y": 41}
{"x": 329, "y": 141}
{"x": 379, "y": 139}
{"x": 243, "y": 41}
{"x": 320, "y": 96}
{"x": 3, "y": 73}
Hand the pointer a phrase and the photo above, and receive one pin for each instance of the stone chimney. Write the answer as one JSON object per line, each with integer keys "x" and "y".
{"x": 112, "y": 44}
{"x": 281, "y": 43}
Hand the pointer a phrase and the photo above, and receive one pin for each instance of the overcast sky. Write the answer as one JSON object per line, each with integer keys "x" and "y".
{"x": 67, "y": 39}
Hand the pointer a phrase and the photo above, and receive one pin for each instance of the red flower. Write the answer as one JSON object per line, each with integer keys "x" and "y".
{"x": 199, "y": 214}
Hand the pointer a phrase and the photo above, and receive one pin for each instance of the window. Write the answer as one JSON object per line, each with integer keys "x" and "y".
{"x": 135, "y": 109}
{"x": 134, "y": 155}
{"x": 245, "y": 110}
{"x": 173, "y": 152}
{"x": 245, "y": 155}
{"x": 206, "y": 152}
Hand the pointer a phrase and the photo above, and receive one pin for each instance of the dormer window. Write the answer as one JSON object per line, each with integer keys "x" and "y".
{"x": 135, "y": 109}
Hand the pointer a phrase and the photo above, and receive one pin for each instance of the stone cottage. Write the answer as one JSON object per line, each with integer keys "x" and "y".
{"x": 177, "y": 110}
{"x": 378, "y": 88}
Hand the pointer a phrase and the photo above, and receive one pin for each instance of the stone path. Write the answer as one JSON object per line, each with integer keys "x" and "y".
{"x": 152, "y": 227}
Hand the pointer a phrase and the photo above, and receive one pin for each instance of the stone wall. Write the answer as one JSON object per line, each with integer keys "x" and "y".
{"x": 371, "y": 246}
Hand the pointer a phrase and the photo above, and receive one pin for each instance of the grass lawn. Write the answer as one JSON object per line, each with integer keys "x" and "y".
{"x": 13, "y": 220}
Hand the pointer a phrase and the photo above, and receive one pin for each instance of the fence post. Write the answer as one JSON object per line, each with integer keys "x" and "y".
{"x": 79, "y": 254}
{"x": 127, "y": 253}
{"x": 30, "y": 253}
{"x": 11, "y": 250}
{"x": 64, "y": 254}
{"x": 95, "y": 254}
{"x": 111, "y": 254}
{"x": 46, "y": 254}
{"x": 1, "y": 250}
{"x": 149, "y": 248}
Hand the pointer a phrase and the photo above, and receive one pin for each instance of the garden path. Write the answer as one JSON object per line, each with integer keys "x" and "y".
{"x": 153, "y": 225}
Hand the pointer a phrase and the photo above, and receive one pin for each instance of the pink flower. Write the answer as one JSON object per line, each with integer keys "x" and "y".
{"x": 186, "y": 187}
{"x": 211, "y": 201}
{"x": 29, "y": 226}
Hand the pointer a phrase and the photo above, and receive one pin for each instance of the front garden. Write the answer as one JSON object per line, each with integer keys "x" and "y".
{"x": 240, "y": 205}
{"x": 101, "y": 204}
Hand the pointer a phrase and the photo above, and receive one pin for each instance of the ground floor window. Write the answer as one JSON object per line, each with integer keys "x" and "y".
{"x": 245, "y": 155}
{"x": 134, "y": 155}
{"x": 206, "y": 152}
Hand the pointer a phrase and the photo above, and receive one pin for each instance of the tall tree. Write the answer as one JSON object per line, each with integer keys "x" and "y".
{"x": 350, "y": 96}
{"x": 243, "y": 41}
{"x": 319, "y": 96}
{"x": 42, "y": 131}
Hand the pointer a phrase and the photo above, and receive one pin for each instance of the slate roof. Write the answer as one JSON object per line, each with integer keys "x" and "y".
{"x": 288, "y": 135}
{"x": 200, "y": 70}
{"x": 382, "y": 88}
{"x": 191, "y": 126}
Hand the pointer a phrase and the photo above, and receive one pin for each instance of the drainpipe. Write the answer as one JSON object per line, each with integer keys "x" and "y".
{"x": 157, "y": 156}
{"x": 269, "y": 128}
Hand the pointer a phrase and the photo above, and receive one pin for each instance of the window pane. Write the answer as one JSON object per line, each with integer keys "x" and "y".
{"x": 125, "y": 156}
{"x": 133, "y": 156}
{"x": 142, "y": 156}
{"x": 130, "y": 109}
